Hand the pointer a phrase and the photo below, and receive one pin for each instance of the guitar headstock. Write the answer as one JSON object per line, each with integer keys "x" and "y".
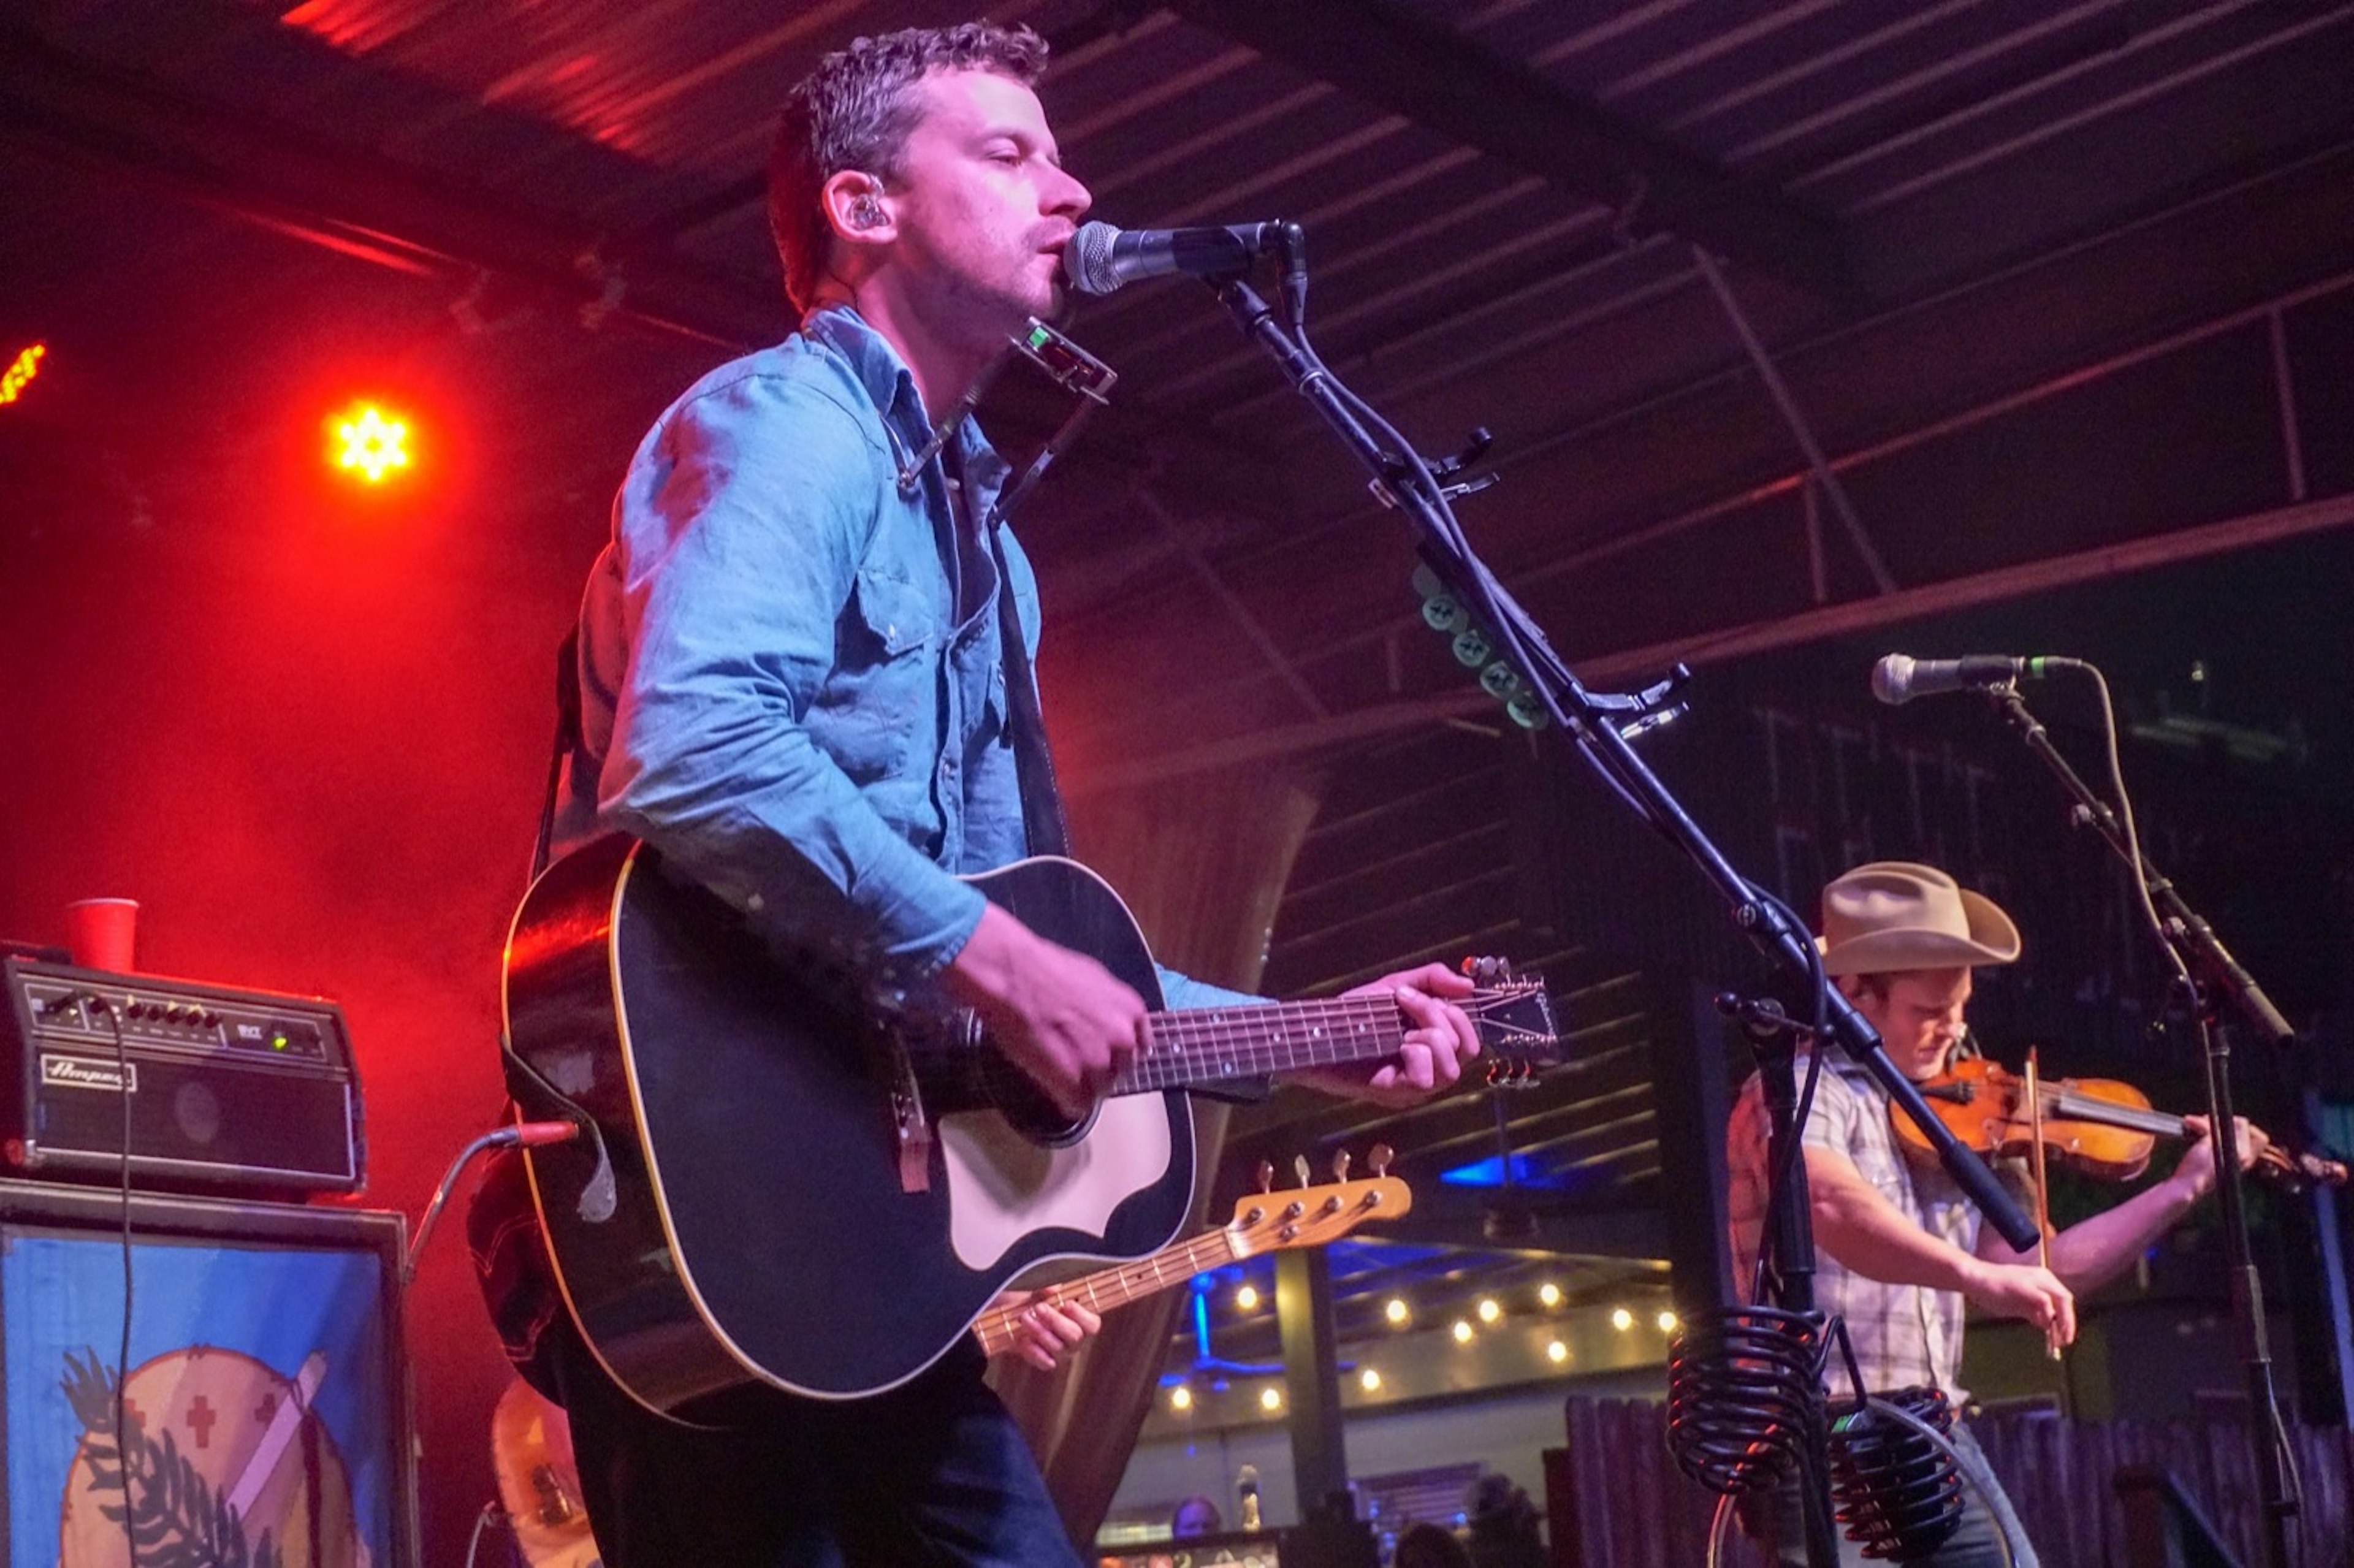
{"x": 1268, "y": 1221}
{"x": 1514, "y": 1020}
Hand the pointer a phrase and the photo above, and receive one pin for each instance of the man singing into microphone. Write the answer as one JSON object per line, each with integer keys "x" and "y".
{"x": 1898, "y": 1247}
{"x": 794, "y": 686}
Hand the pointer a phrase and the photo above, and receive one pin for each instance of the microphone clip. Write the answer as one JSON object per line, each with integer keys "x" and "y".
{"x": 1446, "y": 469}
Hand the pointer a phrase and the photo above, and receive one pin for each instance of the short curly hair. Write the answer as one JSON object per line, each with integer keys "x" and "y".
{"x": 855, "y": 110}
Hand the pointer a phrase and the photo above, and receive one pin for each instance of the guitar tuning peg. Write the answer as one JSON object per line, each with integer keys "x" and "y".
{"x": 1299, "y": 1168}
{"x": 1267, "y": 1175}
{"x": 1379, "y": 1157}
{"x": 1339, "y": 1165}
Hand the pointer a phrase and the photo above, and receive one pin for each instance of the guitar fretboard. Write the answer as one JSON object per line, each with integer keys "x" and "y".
{"x": 1209, "y": 1044}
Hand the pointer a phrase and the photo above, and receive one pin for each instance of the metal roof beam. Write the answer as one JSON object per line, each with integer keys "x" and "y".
{"x": 1449, "y": 83}
{"x": 352, "y": 200}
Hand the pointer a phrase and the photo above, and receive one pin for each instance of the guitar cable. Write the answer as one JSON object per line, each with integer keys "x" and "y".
{"x": 123, "y": 1345}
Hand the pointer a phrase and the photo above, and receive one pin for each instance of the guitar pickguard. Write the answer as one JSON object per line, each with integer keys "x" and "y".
{"x": 1001, "y": 1186}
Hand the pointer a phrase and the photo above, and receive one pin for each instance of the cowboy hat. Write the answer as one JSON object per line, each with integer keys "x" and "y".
{"x": 1894, "y": 915}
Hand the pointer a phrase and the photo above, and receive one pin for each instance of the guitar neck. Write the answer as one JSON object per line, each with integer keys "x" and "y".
{"x": 1212, "y": 1044}
{"x": 1109, "y": 1287}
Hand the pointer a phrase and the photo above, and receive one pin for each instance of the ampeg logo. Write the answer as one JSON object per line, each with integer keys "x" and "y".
{"x": 80, "y": 1072}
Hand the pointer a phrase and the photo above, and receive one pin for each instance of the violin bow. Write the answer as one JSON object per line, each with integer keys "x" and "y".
{"x": 2043, "y": 1193}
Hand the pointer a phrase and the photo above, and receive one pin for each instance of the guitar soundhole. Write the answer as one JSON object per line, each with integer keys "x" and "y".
{"x": 1027, "y": 1108}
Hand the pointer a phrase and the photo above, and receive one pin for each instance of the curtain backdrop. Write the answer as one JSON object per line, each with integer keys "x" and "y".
{"x": 1203, "y": 863}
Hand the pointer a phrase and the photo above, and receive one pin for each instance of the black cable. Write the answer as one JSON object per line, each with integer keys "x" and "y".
{"x": 122, "y": 1346}
{"x": 1818, "y": 984}
{"x": 1745, "y": 1397}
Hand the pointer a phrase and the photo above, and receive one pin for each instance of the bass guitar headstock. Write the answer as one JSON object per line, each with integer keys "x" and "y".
{"x": 1269, "y": 1220}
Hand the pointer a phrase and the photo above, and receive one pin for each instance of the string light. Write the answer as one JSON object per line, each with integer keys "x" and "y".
{"x": 1369, "y": 1380}
{"x": 1462, "y": 1332}
{"x": 1270, "y": 1399}
{"x": 1557, "y": 1352}
{"x": 23, "y": 368}
{"x": 1488, "y": 1311}
{"x": 1396, "y": 1311}
{"x": 1247, "y": 1298}
{"x": 1549, "y": 1294}
{"x": 1180, "y": 1398}
{"x": 1621, "y": 1319}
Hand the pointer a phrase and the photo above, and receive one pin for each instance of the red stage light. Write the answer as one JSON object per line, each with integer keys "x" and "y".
{"x": 370, "y": 444}
{"x": 23, "y": 368}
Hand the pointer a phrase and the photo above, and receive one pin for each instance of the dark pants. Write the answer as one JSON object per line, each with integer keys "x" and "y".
{"x": 1780, "y": 1524}
{"x": 934, "y": 1472}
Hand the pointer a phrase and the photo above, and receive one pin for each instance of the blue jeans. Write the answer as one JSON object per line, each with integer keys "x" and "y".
{"x": 1975, "y": 1543}
{"x": 932, "y": 1473}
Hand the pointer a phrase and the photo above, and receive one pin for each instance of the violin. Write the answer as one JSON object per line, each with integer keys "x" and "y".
{"x": 2101, "y": 1126}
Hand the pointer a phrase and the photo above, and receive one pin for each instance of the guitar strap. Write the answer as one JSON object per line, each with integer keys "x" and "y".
{"x": 1043, "y": 825}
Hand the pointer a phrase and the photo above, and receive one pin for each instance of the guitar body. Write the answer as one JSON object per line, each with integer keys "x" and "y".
{"x": 760, "y": 1228}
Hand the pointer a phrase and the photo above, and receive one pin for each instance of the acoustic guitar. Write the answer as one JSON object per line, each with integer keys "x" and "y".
{"x": 776, "y": 1187}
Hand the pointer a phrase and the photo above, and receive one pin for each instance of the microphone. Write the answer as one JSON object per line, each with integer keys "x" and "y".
{"x": 1900, "y": 677}
{"x": 1100, "y": 258}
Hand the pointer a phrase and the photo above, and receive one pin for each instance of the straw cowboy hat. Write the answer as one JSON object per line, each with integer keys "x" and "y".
{"x": 1893, "y": 914}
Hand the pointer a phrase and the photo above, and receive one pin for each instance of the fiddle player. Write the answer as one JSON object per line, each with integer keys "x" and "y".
{"x": 1898, "y": 1247}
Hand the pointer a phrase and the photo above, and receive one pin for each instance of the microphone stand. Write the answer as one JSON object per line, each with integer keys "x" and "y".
{"x": 2216, "y": 982}
{"x": 1404, "y": 481}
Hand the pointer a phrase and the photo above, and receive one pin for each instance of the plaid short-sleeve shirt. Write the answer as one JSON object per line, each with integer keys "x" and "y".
{"x": 1903, "y": 1334}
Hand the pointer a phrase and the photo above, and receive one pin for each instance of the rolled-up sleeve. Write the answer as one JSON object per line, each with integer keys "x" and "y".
{"x": 740, "y": 531}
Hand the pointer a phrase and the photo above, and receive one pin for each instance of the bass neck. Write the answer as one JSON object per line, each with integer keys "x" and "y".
{"x": 1105, "y": 1288}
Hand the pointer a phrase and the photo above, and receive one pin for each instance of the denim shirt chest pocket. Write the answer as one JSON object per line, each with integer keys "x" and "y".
{"x": 882, "y": 694}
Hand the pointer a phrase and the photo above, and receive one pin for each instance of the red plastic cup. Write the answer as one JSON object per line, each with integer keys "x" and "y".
{"x": 100, "y": 932}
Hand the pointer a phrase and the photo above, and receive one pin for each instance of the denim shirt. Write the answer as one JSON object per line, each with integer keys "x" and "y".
{"x": 777, "y": 689}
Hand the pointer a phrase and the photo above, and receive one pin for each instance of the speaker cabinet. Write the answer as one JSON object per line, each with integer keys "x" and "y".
{"x": 265, "y": 1418}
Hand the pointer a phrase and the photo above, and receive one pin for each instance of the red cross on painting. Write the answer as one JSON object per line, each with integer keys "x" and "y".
{"x": 200, "y": 1419}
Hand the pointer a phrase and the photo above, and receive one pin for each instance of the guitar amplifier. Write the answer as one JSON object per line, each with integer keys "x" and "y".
{"x": 225, "y": 1091}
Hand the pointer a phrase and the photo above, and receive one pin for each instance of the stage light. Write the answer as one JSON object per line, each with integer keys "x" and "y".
{"x": 1549, "y": 1293}
{"x": 21, "y": 369}
{"x": 1667, "y": 1322}
{"x": 1247, "y": 1298}
{"x": 371, "y": 443}
{"x": 1180, "y": 1398}
{"x": 1396, "y": 1311}
{"x": 1621, "y": 1319}
{"x": 1370, "y": 1381}
{"x": 1557, "y": 1352}
{"x": 1462, "y": 1332}
{"x": 1488, "y": 1311}
{"x": 1270, "y": 1399}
